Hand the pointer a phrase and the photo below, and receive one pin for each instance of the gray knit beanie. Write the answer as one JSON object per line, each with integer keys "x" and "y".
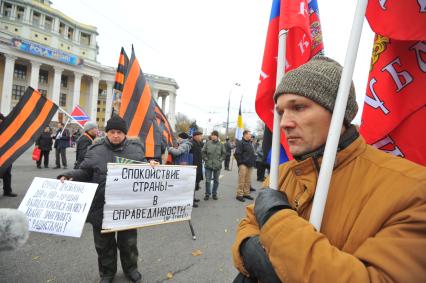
{"x": 89, "y": 125}
{"x": 318, "y": 80}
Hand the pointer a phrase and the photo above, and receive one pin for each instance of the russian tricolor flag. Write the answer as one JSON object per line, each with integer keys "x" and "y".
{"x": 304, "y": 40}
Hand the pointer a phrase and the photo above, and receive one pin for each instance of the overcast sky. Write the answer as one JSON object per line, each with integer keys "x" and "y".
{"x": 208, "y": 46}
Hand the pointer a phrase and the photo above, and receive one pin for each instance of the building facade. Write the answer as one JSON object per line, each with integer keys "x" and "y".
{"x": 43, "y": 48}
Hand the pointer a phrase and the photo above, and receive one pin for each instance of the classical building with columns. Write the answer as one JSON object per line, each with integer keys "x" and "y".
{"x": 43, "y": 48}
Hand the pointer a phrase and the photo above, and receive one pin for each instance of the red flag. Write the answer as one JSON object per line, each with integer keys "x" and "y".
{"x": 79, "y": 115}
{"x": 304, "y": 40}
{"x": 393, "y": 116}
{"x": 397, "y": 19}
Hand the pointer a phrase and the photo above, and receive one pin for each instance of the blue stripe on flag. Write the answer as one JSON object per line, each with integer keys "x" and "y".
{"x": 275, "y": 10}
{"x": 283, "y": 155}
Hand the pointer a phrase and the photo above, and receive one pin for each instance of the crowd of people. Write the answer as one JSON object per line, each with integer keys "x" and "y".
{"x": 374, "y": 225}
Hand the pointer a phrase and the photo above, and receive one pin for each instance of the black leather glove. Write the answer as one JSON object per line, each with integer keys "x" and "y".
{"x": 267, "y": 203}
{"x": 256, "y": 261}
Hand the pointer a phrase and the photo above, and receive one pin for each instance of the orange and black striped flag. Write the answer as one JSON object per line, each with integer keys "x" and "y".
{"x": 120, "y": 75}
{"x": 20, "y": 129}
{"x": 160, "y": 135}
{"x": 164, "y": 126}
{"x": 137, "y": 106}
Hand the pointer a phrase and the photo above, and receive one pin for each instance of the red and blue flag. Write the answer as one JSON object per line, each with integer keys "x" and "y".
{"x": 79, "y": 115}
{"x": 304, "y": 40}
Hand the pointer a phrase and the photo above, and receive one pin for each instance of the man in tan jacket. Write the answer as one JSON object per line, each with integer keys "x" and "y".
{"x": 374, "y": 224}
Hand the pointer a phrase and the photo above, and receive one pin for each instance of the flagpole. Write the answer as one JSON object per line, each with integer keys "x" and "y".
{"x": 327, "y": 164}
{"x": 66, "y": 124}
{"x": 69, "y": 116}
{"x": 276, "y": 131}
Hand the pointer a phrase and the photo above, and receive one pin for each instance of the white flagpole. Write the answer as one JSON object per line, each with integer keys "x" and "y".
{"x": 276, "y": 133}
{"x": 66, "y": 124}
{"x": 337, "y": 118}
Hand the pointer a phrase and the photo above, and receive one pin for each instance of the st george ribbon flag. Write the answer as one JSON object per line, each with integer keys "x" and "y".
{"x": 120, "y": 75}
{"x": 240, "y": 126}
{"x": 139, "y": 109}
{"x": 394, "y": 108}
{"x": 79, "y": 115}
{"x": 304, "y": 40}
{"x": 24, "y": 124}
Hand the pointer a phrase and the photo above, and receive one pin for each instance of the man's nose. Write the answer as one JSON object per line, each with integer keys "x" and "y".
{"x": 287, "y": 120}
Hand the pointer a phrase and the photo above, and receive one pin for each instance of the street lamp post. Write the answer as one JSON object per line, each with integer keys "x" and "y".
{"x": 229, "y": 103}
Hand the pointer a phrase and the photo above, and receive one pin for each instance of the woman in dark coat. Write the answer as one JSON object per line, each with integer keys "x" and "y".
{"x": 44, "y": 143}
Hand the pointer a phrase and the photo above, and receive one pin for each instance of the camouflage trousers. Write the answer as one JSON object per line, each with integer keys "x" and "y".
{"x": 106, "y": 246}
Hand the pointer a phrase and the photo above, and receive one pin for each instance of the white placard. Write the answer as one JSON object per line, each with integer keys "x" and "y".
{"x": 138, "y": 195}
{"x": 54, "y": 207}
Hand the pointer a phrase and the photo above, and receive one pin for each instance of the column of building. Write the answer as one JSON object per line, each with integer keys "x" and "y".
{"x": 93, "y": 98}
{"x": 6, "y": 97}
{"x": 172, "y": 107}
{"x": 35, "y": 71}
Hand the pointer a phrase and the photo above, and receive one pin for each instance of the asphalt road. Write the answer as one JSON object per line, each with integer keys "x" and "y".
{"x": 163, "y": 249}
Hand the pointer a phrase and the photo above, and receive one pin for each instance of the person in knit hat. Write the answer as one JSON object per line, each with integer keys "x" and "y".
{"x": 93, "y": 169}
{"x": 87, "y": 139}
{"x": 374, "y": 226}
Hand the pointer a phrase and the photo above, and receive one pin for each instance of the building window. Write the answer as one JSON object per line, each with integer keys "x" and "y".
{"x": 64, "y": 81}
{"x": 98, "y": 110}
{"x": 63, "y": 99}
{"x": 99, "y": 102}
{"x": 70, "y": 33}
{"x": 48, "y": 23}
{"x": 20, "y": 72}
{"x": 43, "y": 92}
{"x": 20, "y": 13}
{"x": 61, "y": 28}
{"x": 85, "y": 38}
{"x": 7, "y": 9}
{"x": 36, "y": 18}
{"x": 43, "y": 77}
{"x": 18, "y": 91}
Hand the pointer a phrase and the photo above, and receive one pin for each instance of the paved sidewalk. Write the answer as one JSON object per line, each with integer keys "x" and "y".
{"x": 163, "y": 249}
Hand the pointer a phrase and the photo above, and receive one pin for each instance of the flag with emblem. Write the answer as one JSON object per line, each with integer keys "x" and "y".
{"x": 24, "y": 124}
{"x": 304, "y": 40}
{"x": 394, "y": 108}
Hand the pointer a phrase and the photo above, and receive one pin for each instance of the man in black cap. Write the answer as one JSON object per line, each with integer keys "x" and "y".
{"x": 94, "y": 169}
{"x": 7, "y": 175}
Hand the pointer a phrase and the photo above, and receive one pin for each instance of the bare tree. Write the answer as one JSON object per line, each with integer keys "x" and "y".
{"x": 182, "y": 123}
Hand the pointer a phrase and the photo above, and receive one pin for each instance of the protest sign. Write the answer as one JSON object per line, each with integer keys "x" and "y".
{"x": 54, "y": 207}
{"x": 138, "y": 195}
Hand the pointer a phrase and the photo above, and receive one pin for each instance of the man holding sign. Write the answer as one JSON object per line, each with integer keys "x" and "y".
{"x": 94, "y": 169}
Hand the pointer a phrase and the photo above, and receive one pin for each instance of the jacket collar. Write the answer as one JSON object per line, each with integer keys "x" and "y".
{"x": 346, "y": 139}
{"x": 351, "y": 145}
{"x": 116, "y": 147}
